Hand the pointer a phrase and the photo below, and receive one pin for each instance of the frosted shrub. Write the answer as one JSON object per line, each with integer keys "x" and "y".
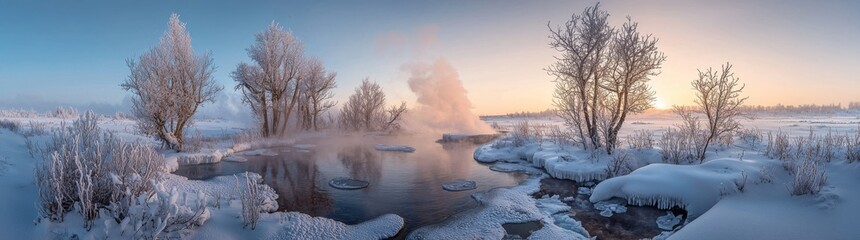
{"x": 560, "y": 136}
{"x": 13, "y": 126}
{"x": 726, "y": 140}
{"x": 83, "y": 167}
{"x": 538, "y": 132}
{"x": 36, "y": 128}
{"x": 751, "y": 136}
{"x": 809, "y": 177}
{"x": 641, "y": 139}
{"x": 65, "y": 113}
{"x": 133, "y": 168}
{"x": 778, "y": 146}
{"x": 520, "y": 133}
{"x": 619, "y": 164}
{"x": 247, "y": 136}
{"x": 251, "y": 201}
{"x": 852, "y": 147}
{"x": 675, "y": 147}
{"x": 164, "y": 214}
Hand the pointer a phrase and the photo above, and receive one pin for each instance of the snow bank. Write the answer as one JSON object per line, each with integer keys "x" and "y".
{"x": 205, "y": 156}
{"x": 563, "y": 163}
{"x": 302, "y": 226}
{"x": 225, "y": 187}
{"x": 476, "y": 139}
{"x": 394, "y": 148}
{"x": 499, "y": 206}
{"x": 513, "y": 167}
{"x": 695, "y": 188}
{"x": 502, "y": 150}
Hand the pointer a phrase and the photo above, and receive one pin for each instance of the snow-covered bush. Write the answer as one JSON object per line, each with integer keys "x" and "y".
{"x": 521, "y": 133}
{"x": 641, "y": 139}
{"x": 133, "y": 169}
{"x": 619, "y": 164}
{"x": 852, "y": 147}
{"x": 17, "y": 113}
{"x": 809, "y": 177}
{"x": 561, "y": 136}
{"x": 675, "y": 147}
{"x": 11, "y": 125}
{"x": 251, "y": 201}
{"x": 91, "y": 170}
{"x": 693, "y": 135}
{"x": 778, "y": 146}
{"x": 726, "y": 140}
{"x": 65, "y": 113}
{"x": 751, "y": 136}
{"x": 164, "y": 214}
{"x": 36, "y": 128}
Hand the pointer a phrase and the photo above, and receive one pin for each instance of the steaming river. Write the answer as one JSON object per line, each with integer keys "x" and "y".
{"x": 406, "y": 184}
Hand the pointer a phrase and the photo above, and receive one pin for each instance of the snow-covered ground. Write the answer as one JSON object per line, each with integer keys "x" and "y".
{"x": 737, "y": 193}
{"x": 222, "y": 217}
{"x": 717, "y": 207}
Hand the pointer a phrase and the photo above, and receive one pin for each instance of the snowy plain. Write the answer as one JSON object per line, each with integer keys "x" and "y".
{"x": 708, "y": 192}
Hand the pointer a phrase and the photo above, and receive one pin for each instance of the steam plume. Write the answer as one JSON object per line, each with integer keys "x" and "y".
{"x": 442, "y": 105}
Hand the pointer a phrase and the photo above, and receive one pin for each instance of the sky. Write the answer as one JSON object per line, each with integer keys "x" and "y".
{"x": 74, "y": 53}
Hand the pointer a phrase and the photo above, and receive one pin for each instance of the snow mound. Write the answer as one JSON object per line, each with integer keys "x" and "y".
{"x": 695, "y": 188}
{"x": 498, "y": 206}
{"x": 202, "y": 157}
{"x": 515, "y": 168}
{"x": 559, "y": 162}
{"x": 502, "y": 150}
{"x": 460, "y": 185}
{"x": 394, "y": 148}
{"x": 347, "y": 183}
{"x": 476, "y": 139}
{"x": 304, "y": 146}
{"x": 302, "y": 226}
{"x": 259, "y": 152}
{"x": 669, "y": 221}
{"x": 234, "y": 158}
{"x": 227, "y": 187}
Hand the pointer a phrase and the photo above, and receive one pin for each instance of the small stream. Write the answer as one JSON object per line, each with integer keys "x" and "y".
{"x": 636, "y": 223}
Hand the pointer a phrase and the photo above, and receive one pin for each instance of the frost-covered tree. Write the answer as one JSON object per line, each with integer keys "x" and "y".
{"x": 718, "y": 95}
{"x": 365, "y": 110}
{"x": 169, "y": 83}
{"x": 601, "y": 75}
{"x": 272, "y": 84}
{"x": 316, "y": 94}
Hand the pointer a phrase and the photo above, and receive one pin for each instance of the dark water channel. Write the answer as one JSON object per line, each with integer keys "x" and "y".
{"x": 406, "y": 184}
{"x": 637, "y": 223}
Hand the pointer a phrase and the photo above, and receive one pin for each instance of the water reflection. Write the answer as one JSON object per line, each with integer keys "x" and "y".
{"x": 406, "y": 184}
{"x": 361, "y": 162}
{"x": 298, "y": 182}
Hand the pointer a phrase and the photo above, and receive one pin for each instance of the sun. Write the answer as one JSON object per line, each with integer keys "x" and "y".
{"x": 660, "y": 104}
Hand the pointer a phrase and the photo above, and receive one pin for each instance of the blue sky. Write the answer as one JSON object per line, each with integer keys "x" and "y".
{"x": 73, "y": 53}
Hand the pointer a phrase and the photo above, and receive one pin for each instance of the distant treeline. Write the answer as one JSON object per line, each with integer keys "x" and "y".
{"x": 539, "y": 114}
{"x": 803, "y": 108}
